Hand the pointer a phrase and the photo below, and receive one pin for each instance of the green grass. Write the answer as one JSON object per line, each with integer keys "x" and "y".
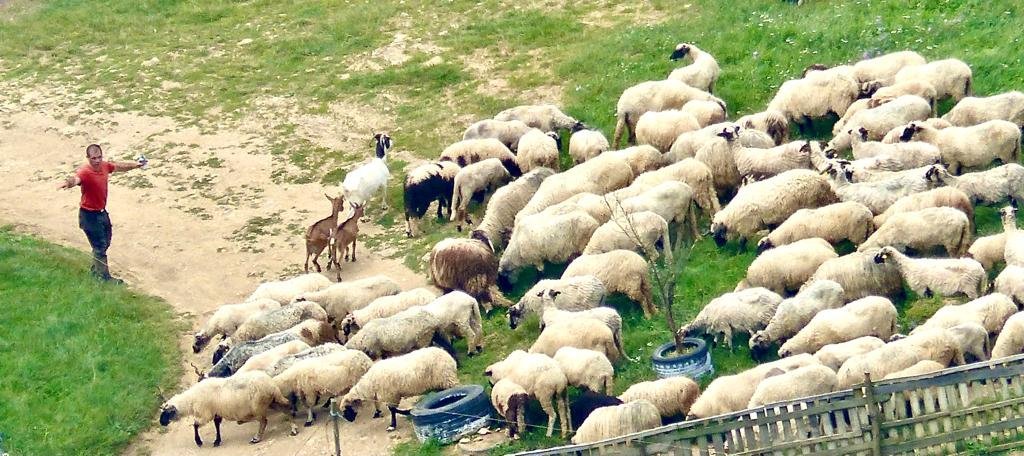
{"x": 82, "y": 361}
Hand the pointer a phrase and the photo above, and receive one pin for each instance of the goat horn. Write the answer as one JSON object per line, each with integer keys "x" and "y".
{"x": 199, "y": 373}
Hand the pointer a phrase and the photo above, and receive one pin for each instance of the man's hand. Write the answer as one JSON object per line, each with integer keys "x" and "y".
{"x": 71, "y": 181}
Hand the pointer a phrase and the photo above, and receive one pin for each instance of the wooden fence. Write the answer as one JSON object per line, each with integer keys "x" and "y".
{"x": 946, "y": 412}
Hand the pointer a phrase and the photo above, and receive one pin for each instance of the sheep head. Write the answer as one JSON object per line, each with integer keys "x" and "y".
{"x": 578, "y": 126}
{"x": 869, "y": 88}
{"x": 517, "y": 312}
{"x": 557, "y": 137}
{"x": 862, "y": 133}
{"x": 908, "y": 132}
{"x": 479, "y": 235}
{"x": 719, "y": 233}
{"x": 168, "y": 413}
{"x": 1009, "y": 212}
{"x": 764, "y": 244}
{"x": 218, "y": 354}
{"x": 350, "y": 408}
{"x": 681, "y": 50}
{"x": 349, "y": 325}
{"x": 883, "y": 255}
{"x": 200, "y": 342}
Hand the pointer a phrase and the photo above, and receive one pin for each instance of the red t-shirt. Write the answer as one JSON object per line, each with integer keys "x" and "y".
{"x": 94, "y": 185}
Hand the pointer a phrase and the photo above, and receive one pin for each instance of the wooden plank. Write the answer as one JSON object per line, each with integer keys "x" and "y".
{"x": 790, "y": 445}
{"x": 943, "y": 401}
{"x": 914, "y": 400}
{"x": 826, "y": 425}
{"x": 764, "y": 430}
{"x": 929, "y": 409}
{"x": 965, "y": 402}
{"x": 959, "y": 434}
{"x": 948, "y": 377}
{"x": 716, "y": 440}
{"x": 702, "y": 445}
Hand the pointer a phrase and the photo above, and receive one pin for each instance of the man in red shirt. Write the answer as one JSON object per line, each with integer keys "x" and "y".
{"x": 92, "y": 214}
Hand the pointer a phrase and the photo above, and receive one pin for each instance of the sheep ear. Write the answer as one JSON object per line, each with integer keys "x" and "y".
{"x": 555, "y": 293}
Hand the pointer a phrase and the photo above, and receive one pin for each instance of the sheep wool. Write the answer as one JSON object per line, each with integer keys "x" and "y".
{"x": 936, "y": 197}
{"x": 925, "y": 366}
{"x": 386, "y": 306}
{"x": 544, "y": 117}
{"x": 613, "y": 421}
{"x": 660, "y": 95}
{"x": 923, "y": 230}
{"x": 587, "y": 144}
{"x": 470, "y": 151}
{"x": 881, "y": 119}
{"x": 689, "y": 171}
{"x": 870, "y": 316}
{"x": 226, "y": 319}
{"x": 538, "y": 149}
{"x": 794, "y": 313}
{"x": 538, "y": 239}
{"x": 846, "y": 221}
{"x": 314, "y": 381}
{"x": 468, "y": 265}
{"x": 458, "y": 316}
{"x": 743, "y": 311}
{"x": 992, "y": 186}
{"x": 945, "y": 276}
{"x": 801, "y": 382}
{"x": 641, "y": 158}
{"x": 878, "y": 363}
{"x": 586, "y": 369}
{"x": 397, "y": 334}
{"x": 670, "y": 199}
{"x": 860, "y": 276}
{"x": 707, "y": 112}
{"x": 785, "y": 268}
{"x": 507, "y": 201}
{"x": 607, "y": 315}
{"x": 701, "y": 73}
{"x": 764, "y": 163}
{"x": 1010, "y": 282}
{"x": 732, "y": 393}
{"x": 313, "y": 352}
{"x": 507, "y": 131}
{"x": 660, "y": 128}
{"x": 589, "y": 334}
{"x": 884, "y": 67}
{"x": 621, "y": 271}
{"x": 920, "y": 88}
{"x": 599, "y": 176}
{"x": 834, "y": 355}
{"x": 990, "y": 311}
{"x": 814, "y": 96}
{"x": 541, "y": 377}
{"x": 571, "y": 294}
{"x": 672, "y": 396}
{"x": 977, "y": 110}
{"x": 275, "y": 320}
{"x": 484, "y": 177}
{"x": 646, "y": 232}
{"x": 340, "y": 299}
{"x": 285, "y": 290}
{"x": 227, "y": 361}
{"x": 266, "y": 360}
{"x": 1011, "y": 339}
{"x": 509, "y": 400}
{"x": 951, "y": 77}
{"x": 971, "y": 147}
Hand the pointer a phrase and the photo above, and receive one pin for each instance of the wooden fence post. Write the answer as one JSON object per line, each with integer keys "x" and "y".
{"x": 875, "y": 414}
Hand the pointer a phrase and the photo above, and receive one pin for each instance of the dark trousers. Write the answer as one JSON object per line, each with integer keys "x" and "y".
{"x": 96, "y": 225}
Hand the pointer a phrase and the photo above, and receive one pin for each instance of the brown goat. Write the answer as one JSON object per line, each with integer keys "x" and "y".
{"x": 319, "y": 234}
{"x": 345, "y": 235}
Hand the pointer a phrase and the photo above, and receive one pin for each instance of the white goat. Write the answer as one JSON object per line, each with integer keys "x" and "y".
{"x": 363, "y": 182}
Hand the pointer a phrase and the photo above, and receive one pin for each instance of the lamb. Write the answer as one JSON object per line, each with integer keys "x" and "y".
{"x": 732, "y": 393}
{"x": 468, "y": 265}
{"x": 772, "y": 122}
{"x": 471, "y": 151}
{"x": 817, "y": 95}
{"x": 538, "y": 239}
{"x": 794, "y": 313}
{"x": 509, "y": 400}
{"x": 458, "y": 316}
{"x": 977, "y": 110}
{"x": 572, "y": 294}
{"x": 613, "y": 421}
{"x": 801, "y": 382}
{"x": 884, "y": 67}
{"x": 974, "y": 146}
{"x": 925, "y": 366}
{"x": 1010, "y": 282}
{"x": 621, "y": 271}
{"x": 706, "y": 112}
{"x": 784, "y": 269}
{"x": 266, "y": 360}
{"x": 386, "y": 306}
{"x": 834, "y": 223}
{"x": 607, "y": 315}
{"x": 228, "y": 317}
{"x": 586, "y": 369}
{"x": 599, "y": 175}
{"x": 990, "y": 311}
{"x": 1011, "y": 338}
{"x": 429, "y": 182}
{"x": 320, "y": 233}
{"x": 834, "y": 355}
{"x": 544, "y": 117}
{"x": 316, "y": 380}
{"x": 936, "y": 197}
{"x": 228, "y": 361}
{"x": 342, "y": 298}
{"x": 860, "y": 276}
{"x": 881, "y": 119}
{"x": 764, "y": 163}
{"x": 701, "y": 73}
{"x": 948, "y": 277}
{"x": 993, "y": 186}
{"x": 950, "y": 77}
{"x": 484, "y": 177}
{"x": 660, "y": 128}
{"x": 689, "y": 171}
{"x": 770, "y": 202}
{"x": 743, "y": 311}
{"x": 241, "y": 398}
{"x": 541, "y": 377}
{"x": 507, "y": 201}
{"x": 585, "y": 333}
{"x": 647, "y": 96}
{"x": 672, "y": 396}
{"x": 362, "y": 183}
{"x": 921, "y": 88}
{"x": 507, "y": 131}
{"x": 989, "y": 250}
{"x": 538, "y": 149}
{"x": 275, "y": 320}
{"x": 398, "y": 334}
{"x": 646, "y": 232}
{"x": 587, "y": 144}
{"x": 878, "y": 195}
{"x": 922, "y": 230}
{"x": 870, "y": 316}
{"x": 389, "y": 381}
{"x": 641, "y": 158}
{"x": 283, "y": 291}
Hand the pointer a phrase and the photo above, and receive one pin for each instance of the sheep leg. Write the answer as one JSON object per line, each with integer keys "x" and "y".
{"x": 549, "y": 409}
{"x": 563, "y": 405}
{"x": 216, "y": 425}
{"x": 259, "y": 434}
{"x": 394, "y": 419}
{"x": 310, "y": 417}
{"x": 195, "y": 432}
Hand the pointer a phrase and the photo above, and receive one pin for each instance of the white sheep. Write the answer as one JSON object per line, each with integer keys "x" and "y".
{"x": 672, "y": 200}
{"x": 785, "y": 268}
{"x": 993, "y": 186}
{"x": 645, "y": 232}
{"x": 265, "y": 361}
{"x": 572, "y": 294}
{"x": 592, "y": 204}
{"x": 856, "y": 107}
{"x": 388, "y": 381}
{"x": 615, "y": 420}
{"x": 772, "y": 122}
{"x": 945, "y": 276}
{"x": 989, "y": 250}
{"x": 921, "y": 88}
{"x": 923, "y": 230}
{"x": 342, "y": 298}
{"x": 599, "y": 176}
{"x": 648, "y": 96}
{"x": 386, "y": 306}
{"x": 732, "y": 393}
{"x": 972, "y": 147}
{"x": 641, "y": 158}
{"x": 362, "y": 183}
{"x": 1011, "y": 338}
{"x": 925, "y": 366}
{"x": 687, "y": 144}
{"x": 884, "y": 67}
{"x": 878, "y": 363}
{"x": 470, "y": 151}
{"x": 870, "y": 316}
{"x": 743, "y": 311}
{"x": 538, "y": 150}
{"x": 764, "y": 163}
{"x": 672, "y": 396}
{"x": 312, "y": 382}
{"x": 701, "y": 73}
{"x": 910, "y": 154}
{"x": 587, "y": 144}
{"x": 507, "y": 201}
{"x": 509, "y": 400}
{"x": 551, "y": 314}
{"x": 718, "y": 154}
{"x": 976, "y": 110}
{"x": 1010, "y": 282}
{"x": 707, "y": 112}
{"x": 545, "y": 117}
{"x": 458, "y": 316}
{"x": 241, "y": 398}
{"x": 689, "y": 171}
{"x": 621, "y": 271}
{"x": 894, "y": 135}
{"x": 951, "y": 78}
{"x": 878, "y": 195}
{"x": 585, "y": 333}
{"x": 990, "y": 311}
{"x": 660, "y": 128}
{"x": 816, "y": 95}
{"x": 834, "y": 355}
{"x": 881, "y": 119}
{"x": 226, "y": 319}
{"x": 484, "y": 177}
{"x": 541, "y": 377}
{"x": 586, "y": 369}
{"x": 936, "y": 197}
{"x": 794, "y": 313}
{"x": 507, "y": 131}
{"x": 860, "y": 276}
{"x": 398, "y": 334}
{"x": 847, "y": 221}
{"x": 801, "y": 382}
{"x": 537, "y": 239}
{"x": 275, "y": 320}
{"x": 283, "y": 291}
{"x": 937, "y": 344}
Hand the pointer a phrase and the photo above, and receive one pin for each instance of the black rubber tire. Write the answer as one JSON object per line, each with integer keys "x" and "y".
{"x": 474, "y": 403}
{"x": 658, "y": 357}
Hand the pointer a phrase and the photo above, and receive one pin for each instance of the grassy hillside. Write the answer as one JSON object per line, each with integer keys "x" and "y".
{"x": 428, "y": 69}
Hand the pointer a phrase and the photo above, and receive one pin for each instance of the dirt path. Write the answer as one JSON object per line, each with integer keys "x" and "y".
{"x": 183, "y": 232}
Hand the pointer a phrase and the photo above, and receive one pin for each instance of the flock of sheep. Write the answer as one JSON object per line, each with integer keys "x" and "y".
{"x": 905, "y": 200}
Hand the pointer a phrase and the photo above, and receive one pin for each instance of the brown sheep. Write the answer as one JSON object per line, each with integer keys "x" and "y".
{"x": 468, "y": 265}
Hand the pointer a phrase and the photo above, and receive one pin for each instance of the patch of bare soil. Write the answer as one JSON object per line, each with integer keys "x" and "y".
{"x": 201, "y": 227}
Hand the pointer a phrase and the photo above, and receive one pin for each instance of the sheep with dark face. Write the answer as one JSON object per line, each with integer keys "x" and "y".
{"x": 483, "y": 177}
{"x": 508, "y": 132}
{"x": 651, "y": 96}
{"x": 544, "y": 117}
{"x": 425, "y": 184}
{"x": 496, "y": 226}
{"x": 702, "y": 73}
{"x": 470, "y": 151}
